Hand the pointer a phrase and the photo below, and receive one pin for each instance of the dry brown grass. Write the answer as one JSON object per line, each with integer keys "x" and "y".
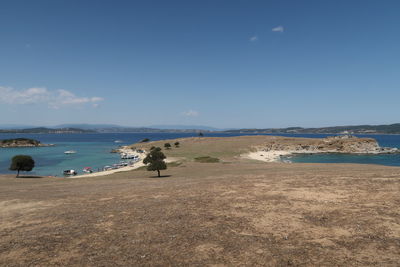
{"x": 226, "y": 214}
{"x": 189, "y": 148}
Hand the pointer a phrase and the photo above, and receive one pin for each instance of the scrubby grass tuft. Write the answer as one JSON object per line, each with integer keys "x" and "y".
{"x": 206, "y": 159}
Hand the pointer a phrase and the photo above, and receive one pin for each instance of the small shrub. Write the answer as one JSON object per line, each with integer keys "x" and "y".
{"x": 176, "y": 144}
{"x": 167, "y": 146}
{"x": 145, "y": 140}
{"x": 206, "y": 159}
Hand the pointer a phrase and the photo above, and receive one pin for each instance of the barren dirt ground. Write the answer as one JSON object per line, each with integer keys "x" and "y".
{"x": 206, "y": 214}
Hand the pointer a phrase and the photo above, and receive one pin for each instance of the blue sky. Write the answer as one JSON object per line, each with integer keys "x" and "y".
{"x": 217, "y": 63}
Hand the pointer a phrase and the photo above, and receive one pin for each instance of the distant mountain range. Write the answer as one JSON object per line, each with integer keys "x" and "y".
{"x": 152, "y": 128}
{"x": 15, "y": 126}
{"x": 99, "y": 128}
{"x": 111, "y": 128}
{"x": 41, "y": 130}
{"x": 186, "y": 127}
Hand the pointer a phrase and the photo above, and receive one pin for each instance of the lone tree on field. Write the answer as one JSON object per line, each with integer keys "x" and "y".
{"x": 176, "y": 144}
{"x": 201, "y": 134}
{"x": 22, "y": 163}
{"x": 167, "y": 145}
{"x": 155, "y": 159}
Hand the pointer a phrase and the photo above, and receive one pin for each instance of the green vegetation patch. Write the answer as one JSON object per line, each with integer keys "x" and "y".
{"x": 206, "y": 159}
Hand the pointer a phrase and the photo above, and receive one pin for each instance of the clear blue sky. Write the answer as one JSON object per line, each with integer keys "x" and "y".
{"x": 217, "y": 63}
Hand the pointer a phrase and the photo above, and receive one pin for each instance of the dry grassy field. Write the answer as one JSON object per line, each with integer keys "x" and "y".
{"x": 228, "y": 213}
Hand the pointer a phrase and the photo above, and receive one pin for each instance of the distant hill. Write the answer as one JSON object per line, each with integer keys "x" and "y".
{"x": 42, "y": 130}
{"x": 103, "y": 127}
{"x": 352, "y": 129}
{"x": 185, "y": 127}
{"x": 87, "y": 126}
{"x": 145, "y": 130}
{"x": 15, "y": 126}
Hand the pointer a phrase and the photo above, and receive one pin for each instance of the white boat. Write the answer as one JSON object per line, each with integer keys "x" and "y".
{"x": 70, "y": 172}
{"x": 129, "y": 156}
{"x": 87, "y": 170}
{"x": 106, "y": 168}
{"x": 118, "y": 141}
{"x": 70, "y": 152}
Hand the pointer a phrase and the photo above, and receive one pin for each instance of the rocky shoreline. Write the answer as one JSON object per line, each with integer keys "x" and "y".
{"x": 22, "y": 142}
{"x": 344, "y": 144}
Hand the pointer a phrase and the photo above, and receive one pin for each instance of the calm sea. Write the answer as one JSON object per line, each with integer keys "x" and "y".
{"x": 93, "y": 150}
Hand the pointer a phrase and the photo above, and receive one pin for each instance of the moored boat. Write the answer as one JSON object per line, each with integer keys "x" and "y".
{"x": 87, "y": 170}
{"x": 70, "y": 172}
{"x": 129, "y": 156}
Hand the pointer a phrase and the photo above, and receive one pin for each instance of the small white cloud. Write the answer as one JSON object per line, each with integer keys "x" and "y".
{"x": 39, "y": 95}
{"x": 278, "y": 29}
{"x": 253, "y": 38}
{"x": 191, "y": 113}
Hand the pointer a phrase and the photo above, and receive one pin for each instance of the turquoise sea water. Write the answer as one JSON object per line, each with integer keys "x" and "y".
{"x": 382, "y": 159}
{"x": 93, "y": 150}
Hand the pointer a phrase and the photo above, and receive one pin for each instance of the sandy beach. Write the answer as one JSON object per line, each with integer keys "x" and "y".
{"x": 267, "y": 156}
{"x": 123, "y": 150}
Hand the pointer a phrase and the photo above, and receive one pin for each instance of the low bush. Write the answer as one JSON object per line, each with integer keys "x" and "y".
{"x": 206, "y": 159}
{"x": 167, "y": 145}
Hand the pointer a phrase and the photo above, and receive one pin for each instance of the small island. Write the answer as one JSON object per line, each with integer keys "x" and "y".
{"x": 21, "y": 142}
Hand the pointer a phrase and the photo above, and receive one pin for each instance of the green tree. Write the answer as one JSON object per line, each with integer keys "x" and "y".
{"x": 167, "y": 145}
{"x": 155, "y": 160}
{"x": 201, "y": 134}
{"x": 22, "y": 163}
{"x": 176, "y": 144}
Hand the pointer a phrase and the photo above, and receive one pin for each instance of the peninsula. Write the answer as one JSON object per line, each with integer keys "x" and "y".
{"x": 266, "y": 148}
